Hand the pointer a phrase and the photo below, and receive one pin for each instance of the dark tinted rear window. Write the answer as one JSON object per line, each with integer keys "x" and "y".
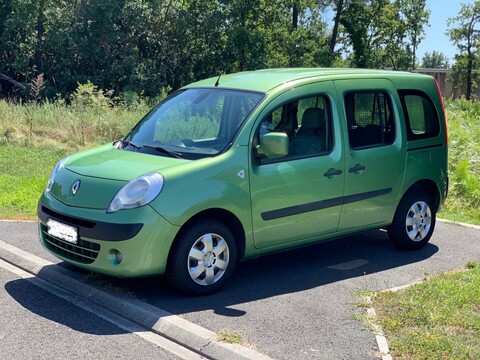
{"x": 422, "y": 118}
{"x": 370, "y": 119}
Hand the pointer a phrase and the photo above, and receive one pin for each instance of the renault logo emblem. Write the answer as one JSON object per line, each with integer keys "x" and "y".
{"x": 75, "y": 187}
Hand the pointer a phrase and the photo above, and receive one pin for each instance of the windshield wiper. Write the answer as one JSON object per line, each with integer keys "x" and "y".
{"x": 165, "y": 151}
{"x": 129, "y": 143}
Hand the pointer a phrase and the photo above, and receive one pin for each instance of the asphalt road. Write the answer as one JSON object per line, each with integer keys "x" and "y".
{"x": 297, "y": 304}
{"x": 35, "y": 324}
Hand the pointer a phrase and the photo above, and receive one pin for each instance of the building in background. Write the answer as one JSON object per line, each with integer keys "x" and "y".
{"x": 448, "y": 88}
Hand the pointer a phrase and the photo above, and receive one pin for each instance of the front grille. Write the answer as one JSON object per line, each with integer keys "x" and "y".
{"x": 84, "y": 252}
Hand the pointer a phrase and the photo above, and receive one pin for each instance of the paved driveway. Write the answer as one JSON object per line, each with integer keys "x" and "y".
{"x": 301, "y": 303}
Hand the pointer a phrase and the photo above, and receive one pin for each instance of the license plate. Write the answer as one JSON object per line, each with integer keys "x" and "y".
{"x": 62, "y": 231}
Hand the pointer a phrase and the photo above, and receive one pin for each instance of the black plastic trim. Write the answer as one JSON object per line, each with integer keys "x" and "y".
{"x": 323, "y": 204}
{"x": 300, "y": 209}
{"x": 426, "y": 147}
{"x": 364, "y": 196}
{"x": 98, "y": 230}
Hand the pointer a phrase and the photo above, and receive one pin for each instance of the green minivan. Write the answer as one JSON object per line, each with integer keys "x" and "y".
{"x": 246, "y": 164}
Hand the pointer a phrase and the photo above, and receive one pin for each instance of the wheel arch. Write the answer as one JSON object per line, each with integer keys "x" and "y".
{"x": 224, "y": 216}
{"x": 429, "y": 187}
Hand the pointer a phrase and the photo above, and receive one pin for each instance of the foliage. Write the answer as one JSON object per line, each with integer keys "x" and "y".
{"x": 460, "y": 76}
{"x": 434, "y": 60}
{"x": 37, "y": 135}
{"x": 464, "y": 32}
{"x": 464, "y": 162}
{"x": 93, "y": 116}
{"x": 143, "y": 46}
{"x": 56, "y": 126}
{"x": 36, "y": 87}
{"x": 415, "y": 17}
{"x": 378, "y": 32}
{"x": 438, "y": 319}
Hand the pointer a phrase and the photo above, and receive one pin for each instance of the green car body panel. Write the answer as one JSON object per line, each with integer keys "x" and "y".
{"x": 270, "y": 204}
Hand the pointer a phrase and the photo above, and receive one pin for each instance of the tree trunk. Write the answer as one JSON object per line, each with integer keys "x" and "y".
{"x": 40, "y": 32}
{"x": 13, "y": 82}
{"x": 333, "y": 40}
{"x": 295, "y": 16}
{"x": 414, "y": 51}
{"x": 468, "y": 94}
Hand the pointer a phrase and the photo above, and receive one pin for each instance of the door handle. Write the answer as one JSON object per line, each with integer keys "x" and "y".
{"x": 331, "y": 173}
{"x": 357, "y": 169}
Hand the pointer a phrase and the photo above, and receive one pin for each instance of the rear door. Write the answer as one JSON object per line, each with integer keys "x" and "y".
{"x": 375, "y": 152}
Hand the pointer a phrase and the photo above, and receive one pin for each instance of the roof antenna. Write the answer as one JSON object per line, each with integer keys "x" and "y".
{"x": 218, "y": 80}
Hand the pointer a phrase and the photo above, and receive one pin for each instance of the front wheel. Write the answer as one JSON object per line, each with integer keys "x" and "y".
{"x": 414, "y": 221}
{"x": 202, "y": 258}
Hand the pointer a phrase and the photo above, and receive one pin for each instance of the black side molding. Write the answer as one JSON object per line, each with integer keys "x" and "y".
{"x": 426, "y": 147}
{"x": 323, "y": 204}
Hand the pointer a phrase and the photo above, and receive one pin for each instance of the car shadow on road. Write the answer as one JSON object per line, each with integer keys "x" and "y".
{"x": 282, "y": 273}
{"x": 60, "y": 311}
{"x": 264, "y": 277}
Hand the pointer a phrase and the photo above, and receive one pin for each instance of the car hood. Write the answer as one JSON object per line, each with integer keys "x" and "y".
{"x": 91, "y": 179}
{"x": 107, "y": 162}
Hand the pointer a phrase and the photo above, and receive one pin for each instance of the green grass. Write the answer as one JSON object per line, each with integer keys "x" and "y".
{"x": 33, "y": 137}
{"x": 230, "y": 337}
{"x": 23, "y": 176}
{"x": 463, "y": 202}
{"x": 437, "y": 319}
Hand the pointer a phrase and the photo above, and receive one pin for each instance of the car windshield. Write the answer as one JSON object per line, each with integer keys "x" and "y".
{"x": 192, "y": 123}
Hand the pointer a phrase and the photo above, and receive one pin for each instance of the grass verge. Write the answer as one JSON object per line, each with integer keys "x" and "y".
{"x": 437, "y": 319}
{"x": 33, "y": 137}
{"x": 23, "y": 176}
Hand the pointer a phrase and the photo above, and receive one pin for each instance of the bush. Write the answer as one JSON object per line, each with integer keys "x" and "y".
{"x": 95, "y": 116}
{"x": 90, "y": 116}
{"x": 463, "y": 118}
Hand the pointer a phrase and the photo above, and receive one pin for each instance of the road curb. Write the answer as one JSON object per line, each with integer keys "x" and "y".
{"x": 451, "y": 222}
{"x": 382, "y": 343}
{"x": 172, "y": 327}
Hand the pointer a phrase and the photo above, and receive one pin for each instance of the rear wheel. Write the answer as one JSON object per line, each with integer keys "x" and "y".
{"x": 202, "y": 258}
{"x": 414, "y": 221}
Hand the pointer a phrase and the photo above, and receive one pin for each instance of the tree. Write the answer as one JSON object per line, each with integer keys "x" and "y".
{"x": 458, "y": 74}
{"x": 415, "y": 18}
{"x": 21, "y": 38}
{"x": 338, "y": 8}
{"x": 148, "y": 46}
{"x": 375, "y": 33}
{"x": 357, "y": 21}
{"x": 434, "y": 60}
{"x": 391, "y": 48}
{"x": 382, "y": 33}
{"x": 464, "y": 32}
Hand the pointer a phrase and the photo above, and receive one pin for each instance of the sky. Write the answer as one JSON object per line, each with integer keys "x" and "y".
{"x": 435, "y": 38}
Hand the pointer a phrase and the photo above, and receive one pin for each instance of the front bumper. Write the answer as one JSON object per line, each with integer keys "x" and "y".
{"x": 141, "y": 236}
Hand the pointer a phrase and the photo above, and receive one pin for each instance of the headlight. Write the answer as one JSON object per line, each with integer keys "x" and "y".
{"x": 138, "y": 192}
{"x": 55, "y": 171}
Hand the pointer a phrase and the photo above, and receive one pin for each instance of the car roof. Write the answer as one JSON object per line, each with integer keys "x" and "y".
{"x": 268, "y": 79}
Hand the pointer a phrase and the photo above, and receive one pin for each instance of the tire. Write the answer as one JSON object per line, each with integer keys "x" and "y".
{"x": 414, "y": 221}
{"x": 202, "y": 258}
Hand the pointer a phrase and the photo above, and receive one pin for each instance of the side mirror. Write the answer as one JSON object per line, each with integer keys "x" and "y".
{"x": 273, "y": 145}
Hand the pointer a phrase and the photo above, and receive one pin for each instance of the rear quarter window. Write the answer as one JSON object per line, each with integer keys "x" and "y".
{"x": 420, "y": 115}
